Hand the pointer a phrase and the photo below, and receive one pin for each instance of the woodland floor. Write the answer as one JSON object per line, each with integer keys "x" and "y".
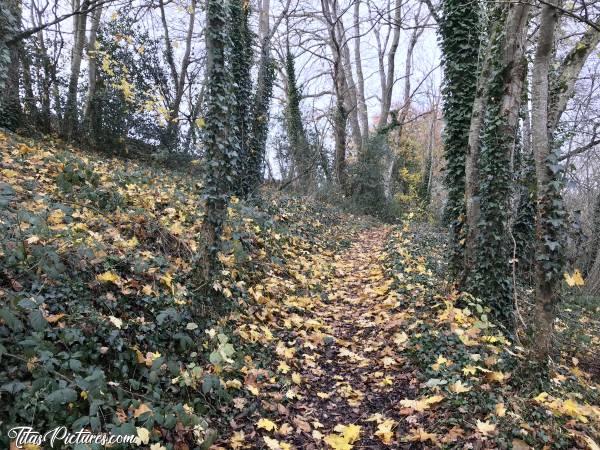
{"x": 343, "y": 385}
{"x": 382, "y": 354}
{"x": 333, "y": 331}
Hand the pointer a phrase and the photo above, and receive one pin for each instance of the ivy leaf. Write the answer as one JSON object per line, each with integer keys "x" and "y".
{"x": 62, "y": 396}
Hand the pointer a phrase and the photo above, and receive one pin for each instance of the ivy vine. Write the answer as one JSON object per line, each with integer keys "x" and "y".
{"x": 459, "y": 33}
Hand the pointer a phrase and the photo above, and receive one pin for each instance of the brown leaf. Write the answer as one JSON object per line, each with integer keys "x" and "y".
{"x": 301, "y": 424}
{"x": 518, "y": 444}
{"x": 143, "y": 408}
{"x": 54, "y": 317}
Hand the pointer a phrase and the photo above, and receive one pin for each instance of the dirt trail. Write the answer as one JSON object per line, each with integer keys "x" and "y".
{"x": 358, "y": 377}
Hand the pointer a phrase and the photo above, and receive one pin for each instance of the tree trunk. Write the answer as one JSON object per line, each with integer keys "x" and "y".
{"x": 594, "y": 242}
{"x": 221, "y": 158}
{"x": 10, "y": 105}
{"x": 92, "y": 70}
{"x": 388, "y": 86}
{"x": 29, "y": 99}
{"x": 171, "y": 134}
{"x": 79, "y": 23}
{"x": 547, "y": 274}
{"x": 360, "y": 80}
{"x": 460, "y": 31}
{"x": 399, "y": 117}
{"x": 46, "y": 81}
{"x": 340, "y": 113}
{"x": 472, "y": 199}
{"x": 592, "y": 280}
{"x": 340, "y": 145}
{"x": 491, "y": 277}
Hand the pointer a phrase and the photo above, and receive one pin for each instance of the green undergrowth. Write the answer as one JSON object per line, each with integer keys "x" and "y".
{"x": 486, "y": 391}
{"x": 103, "y": 324}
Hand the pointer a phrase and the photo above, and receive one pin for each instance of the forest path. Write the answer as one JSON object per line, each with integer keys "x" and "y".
{"x": 351, "y": 385}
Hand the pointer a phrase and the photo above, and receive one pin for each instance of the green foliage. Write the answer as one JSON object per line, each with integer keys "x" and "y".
{"x": 407, "y": 176}
{"x": 101, "y": 316}
{"x": 302, "y": 154}
{"x": 366, "y": 179}
{"x": 460, "y": 36}
{"x": 552, "y": 221}
{"x": 125, "y": 106}
{"x": 497, "y": 375}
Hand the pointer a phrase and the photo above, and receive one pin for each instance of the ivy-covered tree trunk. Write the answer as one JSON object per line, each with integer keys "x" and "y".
{"x": 299, "y": 145}
{"x": 548, "y": 104}
{"x": 340, "y": 119}
{"x": 548, "y": 228}
{"x": 221, "y": 156}
{"x": 472, "y": 181}
{"x": 491, "y": 279}
{"x": 459, "y": 38}
{"x": 241, "y": 64}
{"x": 259, "y": 130}
{"x": 10, "y": 106}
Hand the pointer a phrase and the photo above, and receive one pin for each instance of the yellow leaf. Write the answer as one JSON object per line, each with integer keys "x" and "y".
{"x": 486, "y": 428}
{"x": 151, "y": 357}
{"x": 469, "y": 370}
{"x": 574, "y": 280}
{"x": 147, "y": 289}
{"x": 438, "y": 364}
{"x": 54, "y": 317}
{"x": 167, "y": 280}
{"x": 499, "y": 377}
{"x": 116, "y": 321}
{"x": 296, "y": 378}
{"x": 500, "y": 410}
{"x": 283, "y": 367}
{"x": 237, "y": 440}
{"x": 176, "y": 228}
{"x": 350, "y": 432}
{"x": 519, "y": 444}
{"x": 32, "y": 240}
{"x": 274, "y": 444}
{"x": 590, "y": 443}
{"x": 337, "y": 442}
{"x": 266, "y": 424}
{"x": 384, "y": 431}
{"x": 421, "y": 405}
{"x": 233, "y": 384}
{"x": 143, "y": 435}
{"x": 400, "y": 338}
{"x": 459, "y": 388}
{"x": 108, "y": 277}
